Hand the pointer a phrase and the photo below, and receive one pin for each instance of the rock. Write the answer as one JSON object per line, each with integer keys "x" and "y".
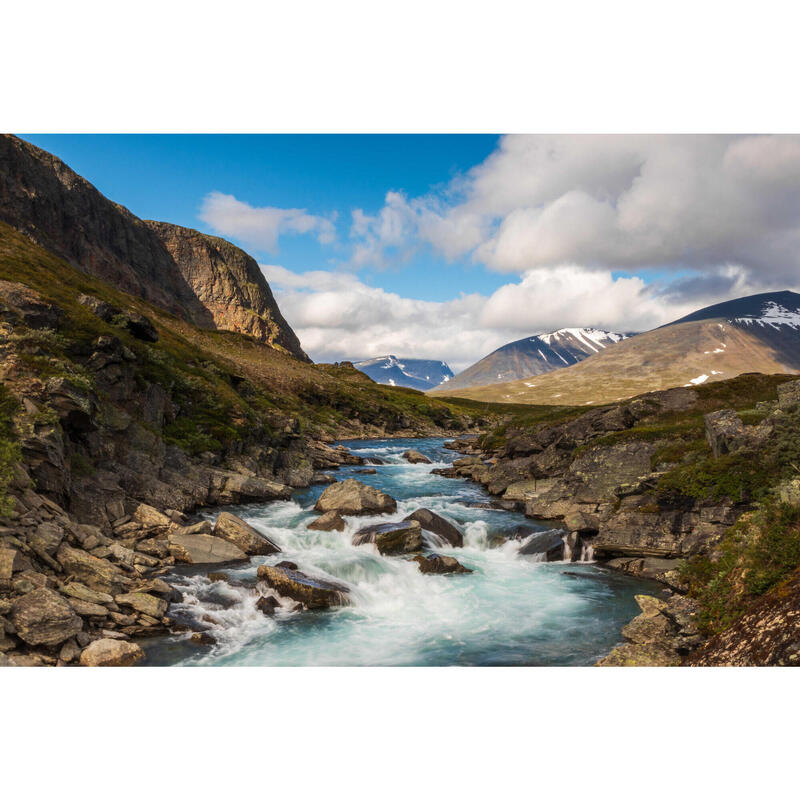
{"x": 637, "y": 655}
{"x": 438, "y": 525}
{"x": 548, "y": 545}
{"x": 88, "y": 609}
{"x": 664, "y": 570}
{"x": 43, "y": 617}
{"x": 143, "y": 603}
{"x": 351, "y": 497}
{"x": 69, "y": 651}
{"x": 439, "y": 565}
{"x": 329, "y": 521}
{"x": 47, "y": 536}
{"x": 203, "y": 638}
{"x": 150, "y": 517}
{"x": 468, "y": 461}
{"x": 30, "y": 305}
{"x": 321, "y": 477}
{"x": 445, "y": 472}
{"x": 392, "y": 538}
{"x": 204, "y": 526}
{"x": 111, "y": 653}
{"x": 218, "y": 577}
{"x": 415, "y": 457}
{"x": 311, "y": 592}
{"x": 11, "y": 561}
{"x": 267, "y": 606}
{"x": 725, "y": 432}
{"x": 96, "y": 573}
{"x": 286, "y": 565}
{"x": 201, "y": 548}
{"x": 236, "y": 531}
{"x": 367, "y": 471}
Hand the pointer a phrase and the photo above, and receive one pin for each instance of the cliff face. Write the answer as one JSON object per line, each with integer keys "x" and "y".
{"x": 201, "y": 279}
{"x": 229, "y": 284}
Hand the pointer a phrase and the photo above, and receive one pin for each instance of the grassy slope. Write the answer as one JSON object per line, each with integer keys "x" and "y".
{"x": 658, "y": 359}
{"x": 229, "y": 385}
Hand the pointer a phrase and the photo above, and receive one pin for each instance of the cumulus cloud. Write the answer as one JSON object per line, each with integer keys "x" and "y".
{"x": 337, "y": 316}
{"x": 260, "y": 227}
{"x": 609, "y": 202}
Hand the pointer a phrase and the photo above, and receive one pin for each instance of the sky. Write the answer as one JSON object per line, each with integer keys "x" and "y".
{"x": 448, "y": 246}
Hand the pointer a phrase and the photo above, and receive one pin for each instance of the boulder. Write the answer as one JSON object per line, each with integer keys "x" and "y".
{"x": 329, "y": 521}
{"x": 548, "y": 545}
{"x": 44, "y": 617}
{"x": 143, "y": 603}
{"x": 150, "y": 517}
{"x": 725, "y": 432}
{"x": 201, "y": 548}
{"x": 392, "y": 538}
{"x": 29, "y": 304}
{"x": 235, "y": 530}
{"x": 111, "y": 653}
{"x": 351, "y": 497}
{"x": 415, "y": 457}
{"x": 47, "y": 537}
{"x": 311, "y": 592}
{"x": 438, "y": 525}
{"x": 439, "y": 565}
{"x": 267, "y": 606}
{"x": 96, "y": 573}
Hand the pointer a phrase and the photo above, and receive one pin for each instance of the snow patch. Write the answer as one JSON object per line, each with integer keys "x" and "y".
{"x": 773, "y": 314}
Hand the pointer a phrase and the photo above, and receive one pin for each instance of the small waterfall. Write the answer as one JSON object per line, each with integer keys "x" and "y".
{"x": 587, "y": 551}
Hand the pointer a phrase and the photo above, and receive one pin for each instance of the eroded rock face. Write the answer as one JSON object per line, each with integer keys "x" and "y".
{"x": 43, "y": 617}
{"x": 111, "y": 653}
{"x": 235, "y": 530}
{"x": 351, "y": 497}
{"x": 438, "y": 525}
{"x": 329, "y": 521}
{"x": 440, "y": 565}
{"x": 547, "y": 545}
{"x": 311, "y": 592}
{"x": 392, "y": 538}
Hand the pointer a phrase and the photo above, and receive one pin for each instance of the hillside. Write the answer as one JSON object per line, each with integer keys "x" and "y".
{"x": 413, "y": 373}
{"x": 535, "y": 355}
{"x": 754, "y": 334}
{"x": 202, "y": 279}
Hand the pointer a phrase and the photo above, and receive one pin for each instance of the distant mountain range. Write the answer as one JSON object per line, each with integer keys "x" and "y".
{"x": 535, "y": 355}
{"x": 758, "y": 333}
{"x": 414, "y": 373}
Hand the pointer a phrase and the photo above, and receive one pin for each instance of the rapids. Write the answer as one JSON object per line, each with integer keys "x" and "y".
{"x": 512, "y": 610}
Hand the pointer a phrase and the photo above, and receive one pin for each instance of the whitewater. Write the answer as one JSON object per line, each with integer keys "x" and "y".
{"x": 512, "y": 610}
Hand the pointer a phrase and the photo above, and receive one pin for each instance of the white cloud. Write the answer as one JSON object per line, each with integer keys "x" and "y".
{"x": 610, "y": 202}
{"x": 337, "y": 316}
{"x": 260, "y": 227}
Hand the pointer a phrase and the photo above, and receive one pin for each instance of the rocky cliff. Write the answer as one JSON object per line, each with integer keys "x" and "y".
{"x": 201, "y": 279}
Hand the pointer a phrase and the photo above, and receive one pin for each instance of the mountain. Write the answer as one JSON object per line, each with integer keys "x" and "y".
{"x": 758, "y": 333}
{"x": 535, "y": 355}
{"x": 201, "y": 279}
{"x": 413, "y": 373}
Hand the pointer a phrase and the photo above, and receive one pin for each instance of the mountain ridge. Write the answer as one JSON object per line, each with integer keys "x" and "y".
{"x": 196, "y": 277}
{"x": 412, "y": 373}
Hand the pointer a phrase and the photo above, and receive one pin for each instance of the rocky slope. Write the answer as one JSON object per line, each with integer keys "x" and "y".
{"x": 202, "y": 279}
{"x": 413, "y": 373}
{"x": 664, "y": 486}
{"x": 535, "y": 355}
{"x": 754, "y": 334}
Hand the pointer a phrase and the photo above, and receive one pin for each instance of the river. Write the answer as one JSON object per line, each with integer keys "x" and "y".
{"x": 512, "y": 610}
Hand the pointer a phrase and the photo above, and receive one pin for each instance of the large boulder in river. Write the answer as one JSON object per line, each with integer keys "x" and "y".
{"x": 235, "y": 530}
{"x": 44, "y": 617}
{"x": 548, "y": 545}
{"x": 329, "y": 521}
{"x": 415, "y": 457}
{"x": 392, "y": 538}
{"x": 311, "y": 592}
{"x": 201, "y": 548}
{"x": 434, "y": 564}
{"x": 111, "y": 653}
{"x": 351, "y": 497}
{"x": 438, "y": 525}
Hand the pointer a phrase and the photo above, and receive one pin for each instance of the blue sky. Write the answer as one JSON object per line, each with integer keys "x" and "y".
{"x": 448, "y": 246}
{"x": 166, "y": 177}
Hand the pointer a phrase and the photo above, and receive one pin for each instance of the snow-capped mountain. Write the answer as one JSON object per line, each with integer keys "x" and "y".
{"x": 536, "y": 355}
{"x": 758, "y": 333}
{"x": 414, "y": 373}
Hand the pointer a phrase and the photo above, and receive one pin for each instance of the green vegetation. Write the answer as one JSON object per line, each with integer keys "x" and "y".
{"x": 756, "y": 555}
{"x": 9, "y": 448}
